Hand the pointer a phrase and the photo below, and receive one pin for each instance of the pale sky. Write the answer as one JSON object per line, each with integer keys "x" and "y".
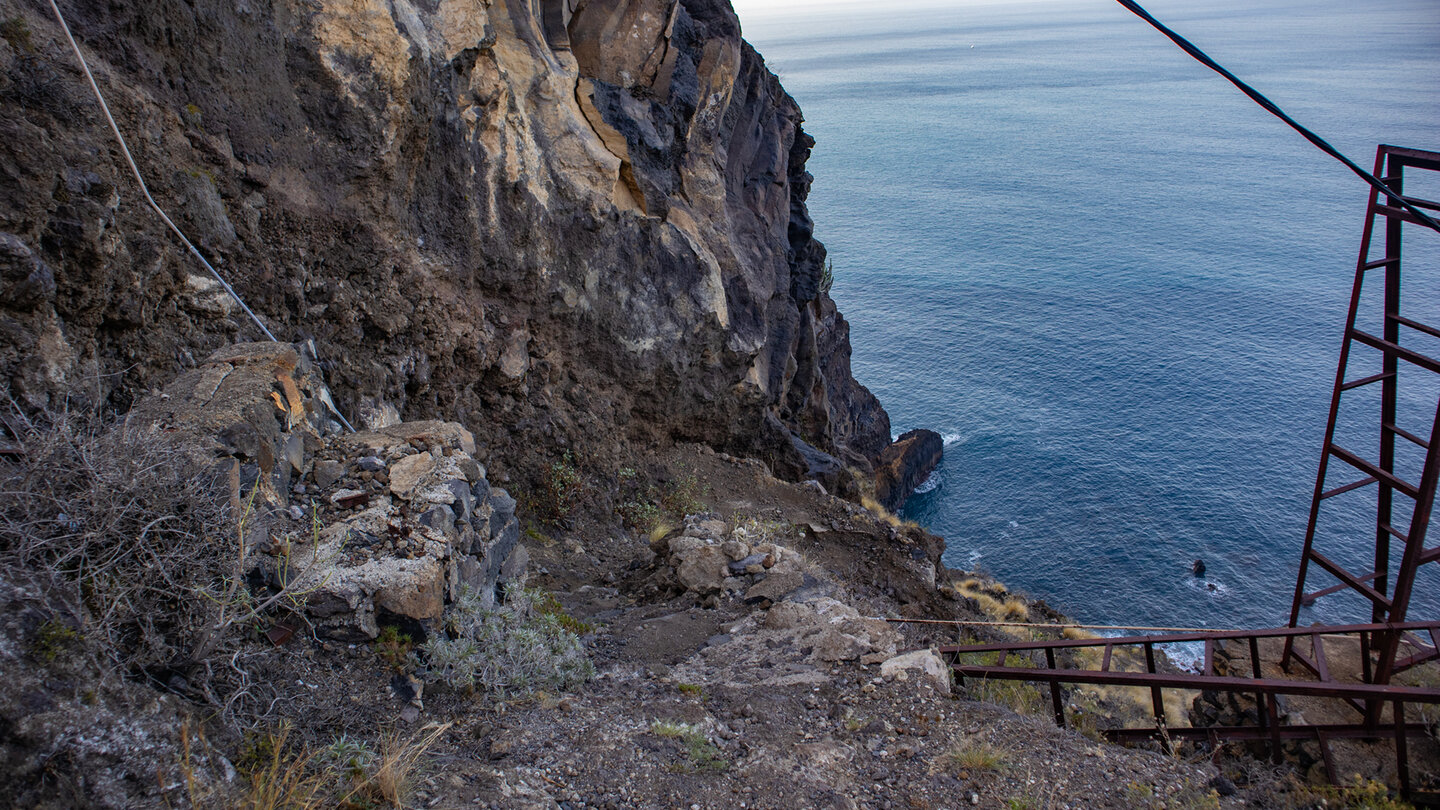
{"x": 755, "y": 8}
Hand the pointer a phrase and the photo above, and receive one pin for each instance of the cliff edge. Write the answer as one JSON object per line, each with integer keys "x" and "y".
{"x": 551, "y": 222}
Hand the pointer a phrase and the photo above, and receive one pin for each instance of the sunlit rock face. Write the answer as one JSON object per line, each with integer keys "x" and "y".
{"x": 555, "y": 222}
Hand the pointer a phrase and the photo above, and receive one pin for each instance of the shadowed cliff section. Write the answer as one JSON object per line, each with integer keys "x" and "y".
{"x": 544, "y": 225}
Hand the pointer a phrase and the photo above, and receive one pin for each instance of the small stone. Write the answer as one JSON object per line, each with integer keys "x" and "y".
{"x": 327, "y": 473}
{"x": 297, "y": 512}
{"x": 370, "y": 463}
{"x": 349, "y": 497}
{"x": 409, "y": 714}
{"x": 405, "y": 475}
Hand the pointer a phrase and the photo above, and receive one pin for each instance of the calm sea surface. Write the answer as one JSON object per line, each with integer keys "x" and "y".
{"x": 1114, "y": 284}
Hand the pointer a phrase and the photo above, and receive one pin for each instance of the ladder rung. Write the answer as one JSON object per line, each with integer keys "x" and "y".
{"x": 1364, "y": 466}
{"x": 1350, "y": 579}
{"x": 1379, "y": 262}
{"x": 1366, "y": 380}
{"x": 1394, "y": 532}
{"x": 1342, "y": 490}
{"x": 1309, "y": 598}
{"x": 1430, "y": 555}
{"x": 1421, "y": 202}
{"x": 1416, "y": 325}
{"x": 1427, "y": 363}
{"x": 1396, "y": 212}
{"x": 1405, "y": 434}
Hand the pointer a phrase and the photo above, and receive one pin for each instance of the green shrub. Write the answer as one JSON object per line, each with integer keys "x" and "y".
{"x": 513, "y": 648}
{"x": 699, "y": 751}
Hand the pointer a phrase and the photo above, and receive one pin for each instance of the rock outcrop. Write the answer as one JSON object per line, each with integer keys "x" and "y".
{"x": 905, "y": 465}
{"x": 380, "y": 527}
{"x": 543, "y": 222}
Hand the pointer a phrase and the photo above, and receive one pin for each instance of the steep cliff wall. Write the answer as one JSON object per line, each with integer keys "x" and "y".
{"x": 546, "y": 219}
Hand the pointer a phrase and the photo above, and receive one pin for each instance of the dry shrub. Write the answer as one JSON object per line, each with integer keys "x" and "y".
{"x": 139, "y": 540}
{"x": 123, "y": 526}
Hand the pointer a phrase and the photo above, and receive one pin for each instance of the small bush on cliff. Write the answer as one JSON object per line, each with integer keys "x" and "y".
{"x": 511, "y": 649}
{"x": 140, "y": 556}
{"x": 560, "y": 490}
{"x": 123, "y": 529}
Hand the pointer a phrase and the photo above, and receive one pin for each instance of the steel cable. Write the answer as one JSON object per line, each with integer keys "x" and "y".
{"x": 1270, "y": 106}
{"x": 145, "y": 189}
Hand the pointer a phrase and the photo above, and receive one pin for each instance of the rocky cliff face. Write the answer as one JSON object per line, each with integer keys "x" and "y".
{"x": 544, "y": 219}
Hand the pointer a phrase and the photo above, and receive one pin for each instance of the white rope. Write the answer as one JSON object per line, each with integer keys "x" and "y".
{"x": 145, "y": 189}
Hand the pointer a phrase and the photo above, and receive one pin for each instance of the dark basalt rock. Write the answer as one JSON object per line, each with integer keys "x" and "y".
{"x": 905, "y": 465}
{"x": 545, "y": 227}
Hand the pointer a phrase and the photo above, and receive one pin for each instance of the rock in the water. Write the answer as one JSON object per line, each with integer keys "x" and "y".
{"x": 905, "y": 465}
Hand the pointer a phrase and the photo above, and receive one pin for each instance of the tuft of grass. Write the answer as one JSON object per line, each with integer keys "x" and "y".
{"x": 691, "y": 689}
{"x": 509, "y": 649}
{"x": 16, "y": 32}
{"x": 980, "y": 756}
{"x": 348, "y": 773}
{"x": 394, "y": 647}
{"x": 701, "y": 753}
{"x": 658, "y": 532}
{"x": 880, "y": 511}
{"x": 1360, "y": 794}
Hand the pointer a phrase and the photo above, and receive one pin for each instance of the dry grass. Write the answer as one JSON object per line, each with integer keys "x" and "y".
{"x": 975, "y": 756}
{"x": 286, "y": 776}
{"x": 994, "y": 600}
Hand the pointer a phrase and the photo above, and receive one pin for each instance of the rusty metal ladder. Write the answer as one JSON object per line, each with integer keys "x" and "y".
{"x": 1387, "y": 606}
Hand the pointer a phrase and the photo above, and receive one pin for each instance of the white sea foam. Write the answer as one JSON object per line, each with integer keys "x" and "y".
{"x": 930, "y": 484}
{"x": 1216, "y": 590}
{"x": 950, "y": 438}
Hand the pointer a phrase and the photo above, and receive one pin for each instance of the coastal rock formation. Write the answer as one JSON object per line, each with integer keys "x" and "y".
{"x": 905, "y": 465}
{"x": 541, "y": 221}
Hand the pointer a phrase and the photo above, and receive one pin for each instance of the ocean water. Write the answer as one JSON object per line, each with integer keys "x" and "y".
{"x": 1115, "y": 285}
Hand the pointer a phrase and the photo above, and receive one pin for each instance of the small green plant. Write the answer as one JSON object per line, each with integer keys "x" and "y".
{"x": 560, "y": 490}
{"x": 347, "y": 756}
{"x": 1139, "y": 793}
{"x": 638, "y": 514}
{"x": 827, "y": 276}
{"x": 548, "y": 605}
{"x": 1020, "y": 803}
{"x": 394, "y": 647}
{"x": 53, "y": 639}
{"x": 1360, "y": 794}
{"x": 683, "y": 496}
{"x": 16, "y": 32}
{"x": 979, "y": 756}
{"x": 701, "y": 753}
{"x": 509, "y": 649}
{"x": 691, "y": 689}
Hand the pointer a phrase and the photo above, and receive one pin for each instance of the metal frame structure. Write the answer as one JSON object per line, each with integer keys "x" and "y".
{"x": 1387, "y": 606}
{"x": 1388, "y": 644}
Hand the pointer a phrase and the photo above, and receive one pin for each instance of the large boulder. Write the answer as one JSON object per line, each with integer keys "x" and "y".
{"x": 364, "y": 529}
